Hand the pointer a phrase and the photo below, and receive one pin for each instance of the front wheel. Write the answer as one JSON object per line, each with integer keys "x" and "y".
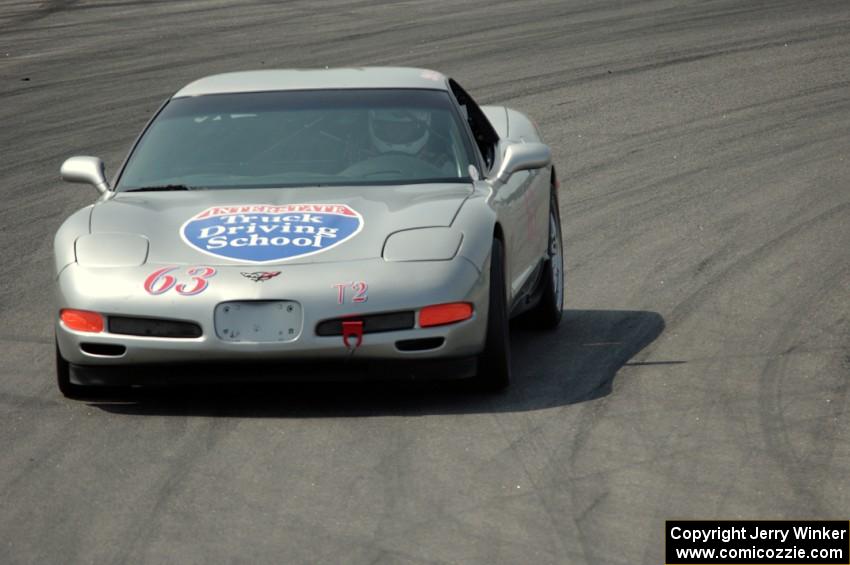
{"x": 494, "y": 363}
{"x": 547, "y": 313}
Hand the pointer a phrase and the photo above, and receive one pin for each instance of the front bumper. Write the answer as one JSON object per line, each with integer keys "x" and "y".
{"x": 392, "y": 286}
{"x": 284, "y": 371}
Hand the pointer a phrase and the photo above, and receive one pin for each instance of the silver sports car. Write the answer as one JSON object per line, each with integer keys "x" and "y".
{"x": 310, "y": 224}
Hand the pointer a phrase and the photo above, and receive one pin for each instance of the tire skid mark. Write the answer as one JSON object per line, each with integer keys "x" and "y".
{"x": 709, "y": 124}
{"x": 549, "y": 82}
{"x": 689, "y": 305}
{"x": 44, "y": 10}
{"x": 772, "y": 414}
{"x": 537, "y": 488}
{"x": 445, "y": 510}
{"x": 25, "y": 402}
{"x": 38, "y": 340}
{"x": 144, "y": 525}
{"x": 45, "y": 454}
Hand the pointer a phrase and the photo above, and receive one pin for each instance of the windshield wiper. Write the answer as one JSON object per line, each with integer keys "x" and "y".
{"x": 162, "y": 188}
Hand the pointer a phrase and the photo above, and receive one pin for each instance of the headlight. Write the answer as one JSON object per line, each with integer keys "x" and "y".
{"x": 111, "y": 250}
{"x": 423, "y": 244}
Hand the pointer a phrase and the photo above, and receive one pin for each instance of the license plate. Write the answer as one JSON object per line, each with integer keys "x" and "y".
{"x": 258, "y": 321}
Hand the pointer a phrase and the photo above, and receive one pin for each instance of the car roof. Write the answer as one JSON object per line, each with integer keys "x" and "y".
{"x": 315, "y": 79}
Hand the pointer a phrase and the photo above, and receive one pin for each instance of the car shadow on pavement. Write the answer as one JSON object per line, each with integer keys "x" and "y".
{"x": 575, "y": 363}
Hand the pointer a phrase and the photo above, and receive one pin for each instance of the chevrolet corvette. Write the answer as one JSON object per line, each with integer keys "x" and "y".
{"x": 310, "y": 224}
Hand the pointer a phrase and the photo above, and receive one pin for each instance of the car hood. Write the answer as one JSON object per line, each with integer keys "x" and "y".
{"x": 275, "y": 226}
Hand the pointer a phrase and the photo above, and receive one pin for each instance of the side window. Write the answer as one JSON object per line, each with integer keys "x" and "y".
{"x": 485, "y": 136}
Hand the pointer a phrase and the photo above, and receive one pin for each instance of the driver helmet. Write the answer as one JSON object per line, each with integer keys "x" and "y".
{"x": 401, "y": 131}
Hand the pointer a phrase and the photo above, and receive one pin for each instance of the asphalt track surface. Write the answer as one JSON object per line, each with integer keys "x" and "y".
{"x": 701, "y": 370}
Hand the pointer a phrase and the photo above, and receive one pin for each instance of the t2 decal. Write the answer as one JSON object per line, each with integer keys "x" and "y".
{"x": 359, "y": 289}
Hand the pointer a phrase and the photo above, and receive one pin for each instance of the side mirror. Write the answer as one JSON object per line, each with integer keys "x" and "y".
{"x": 89, "y": 170}
{"x": 521, "y": 157}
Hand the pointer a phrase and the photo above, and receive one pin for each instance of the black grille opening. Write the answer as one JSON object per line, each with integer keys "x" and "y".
{"x": 106, "y": 349}
{"x": 153, "y": 327}
{"x": 372, "y": 323}
{"x": 421, "y": 344}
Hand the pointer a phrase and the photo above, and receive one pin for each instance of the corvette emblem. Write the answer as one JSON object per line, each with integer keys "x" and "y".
{"x": 261, "y": 276}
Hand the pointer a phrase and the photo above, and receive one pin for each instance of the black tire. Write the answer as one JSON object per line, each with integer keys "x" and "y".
{"x": 547, "y": 313}
{"x": 494, "y": 363}
{"x": 63, "y": 377}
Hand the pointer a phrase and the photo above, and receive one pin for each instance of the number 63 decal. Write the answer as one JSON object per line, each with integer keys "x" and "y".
{"x": 161, "y": 281}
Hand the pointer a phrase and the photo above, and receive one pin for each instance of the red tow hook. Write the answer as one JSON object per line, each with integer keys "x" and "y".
{"x": 352, "y": 329}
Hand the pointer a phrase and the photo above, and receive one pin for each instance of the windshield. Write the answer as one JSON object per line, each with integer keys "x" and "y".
{"x": 301, "y": 138}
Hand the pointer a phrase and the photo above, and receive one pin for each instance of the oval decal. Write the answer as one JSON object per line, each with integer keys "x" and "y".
{"x": 264, "y": 233}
